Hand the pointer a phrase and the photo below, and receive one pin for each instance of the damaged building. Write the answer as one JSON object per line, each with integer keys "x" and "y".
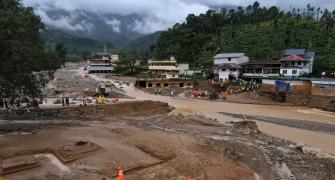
{"x": 165, "y": 74}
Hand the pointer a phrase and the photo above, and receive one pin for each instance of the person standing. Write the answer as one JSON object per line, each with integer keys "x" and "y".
{"x": 6, "y": 104}
{"x": 1, "y": 103}
{"x": 102, "y": 99}
{"x": 18, "y": 104}
{"x": 84, "y": 101}
{"x": 67, "y": 101}
{"x": 11, "y": 102}
{"x": 63, "y": 101}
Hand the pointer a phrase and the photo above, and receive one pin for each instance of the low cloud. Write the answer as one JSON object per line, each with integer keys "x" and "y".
{"x": 155, "y": 14}
{"x": 64, "y": 22}
{"x": 115, "y": 24}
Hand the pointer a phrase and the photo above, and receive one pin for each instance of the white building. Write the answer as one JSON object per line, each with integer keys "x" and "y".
{"x": 228, "y": 65}
{"x": 297, "y": 62}
{"x": 166, "y": 69}
{"x": 101, "y": 63}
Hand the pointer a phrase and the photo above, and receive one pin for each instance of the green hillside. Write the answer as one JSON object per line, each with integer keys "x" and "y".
{"x": 260, "y": 32}
{"x": 76, "y": 47}
{"x": 144, "y": 43}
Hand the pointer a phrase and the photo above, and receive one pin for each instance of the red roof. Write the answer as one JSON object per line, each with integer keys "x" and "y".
{"x": 293, "y": 58}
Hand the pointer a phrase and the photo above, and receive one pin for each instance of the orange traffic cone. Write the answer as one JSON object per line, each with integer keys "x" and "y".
{"x": 121, "y": 176}
{"x": 189, "y": 178}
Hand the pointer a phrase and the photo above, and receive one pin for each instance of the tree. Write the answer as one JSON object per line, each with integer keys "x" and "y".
{"x": 61, "y": 52}
{"x": 260, "y": 32}
{"x": 22, "y": 53}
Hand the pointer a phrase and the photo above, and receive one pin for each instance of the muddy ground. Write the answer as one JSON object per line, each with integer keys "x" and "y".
{"x": 149, "y": 143}
{"x": 68, "y": 82}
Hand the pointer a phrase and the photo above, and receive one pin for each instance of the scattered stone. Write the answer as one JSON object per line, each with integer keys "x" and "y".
{"x": 245, "y": 127}
{"x": 57, "y": 101}
{"x": 199, "y": 114}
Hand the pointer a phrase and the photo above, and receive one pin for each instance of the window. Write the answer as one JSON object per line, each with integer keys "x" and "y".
{"x": 233, "y": 69}
{"x": 223, "y": 69}
{"x": 229, "y": 59}
{"x": 284, "y": 71}
{"x": 299, "y": 63}
{"x": 158, "y": 84}
{"x": 150, "y": 85}
{"x": 294, "y": 71}
{"x": 166, "y": 84}
{"x": 173, "y": 75}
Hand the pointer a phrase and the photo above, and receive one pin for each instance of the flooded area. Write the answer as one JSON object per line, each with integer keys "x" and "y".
{"x": 211, "y": 109}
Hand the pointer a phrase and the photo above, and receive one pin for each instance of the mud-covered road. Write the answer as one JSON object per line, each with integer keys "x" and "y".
{"x": 282, "y": 129}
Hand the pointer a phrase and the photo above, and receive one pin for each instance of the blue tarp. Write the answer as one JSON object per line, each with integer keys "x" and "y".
{"x": 282, "y": 86}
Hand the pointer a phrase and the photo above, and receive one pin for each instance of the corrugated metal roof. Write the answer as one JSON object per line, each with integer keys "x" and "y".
{"x": 300, "y": 52}
{"x": 309, "y": 55}
{"x": 99, "y": 68}
{"x": 293, "y": 58}
{"x": 228, "y": 55}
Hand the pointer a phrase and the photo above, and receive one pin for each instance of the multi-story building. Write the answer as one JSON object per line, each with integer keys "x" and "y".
{"x": 228, "y": 65}
{"x": 101, "y": 63}
{"x": 258, "y": 69}
{"x": 164, "y": 69}
{"x": 297, "y": 62}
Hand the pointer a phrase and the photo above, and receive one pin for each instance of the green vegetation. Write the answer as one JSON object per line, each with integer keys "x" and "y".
{"x": 260, "y": 32}
{"x": 144, "y": 43}
{"x": 131, "y": 63}
{"x": 77, "y": 47}
{"x": 22, "y": 52}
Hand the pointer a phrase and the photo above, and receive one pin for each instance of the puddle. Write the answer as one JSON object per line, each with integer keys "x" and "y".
{"x": 55, "y": 161}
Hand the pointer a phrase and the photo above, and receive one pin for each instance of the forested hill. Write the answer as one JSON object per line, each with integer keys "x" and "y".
{"x": 260, "y": 32}
{"x": 144, "y": 43}
{"x": 76, "y": 46}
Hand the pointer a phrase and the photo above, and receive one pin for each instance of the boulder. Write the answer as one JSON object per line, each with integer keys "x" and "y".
{"x": 245, "y": 127}
{"x": 57, "y": 101}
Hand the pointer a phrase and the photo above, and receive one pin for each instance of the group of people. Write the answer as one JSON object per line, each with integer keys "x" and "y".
{"x": 9, "y": 103}
{"x": 166, "y": 92}
{"x": 65, "y": 101}
{"x": 198, "y": 93}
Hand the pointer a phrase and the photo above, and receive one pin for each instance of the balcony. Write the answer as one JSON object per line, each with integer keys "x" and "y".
{"x": 260, "y": 75}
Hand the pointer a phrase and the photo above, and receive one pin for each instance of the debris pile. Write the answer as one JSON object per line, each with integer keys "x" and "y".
{"x": 71, "y": 152}
{"x": 17, "y": 164}
{"x": 245, "y": 127}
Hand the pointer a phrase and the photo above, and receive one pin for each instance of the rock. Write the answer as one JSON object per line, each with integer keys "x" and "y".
{"x": 245, "y": 127}
{"x": 57, "y": 101}
{"x": 86, "y": 90}
{"x": 200, "y": 114}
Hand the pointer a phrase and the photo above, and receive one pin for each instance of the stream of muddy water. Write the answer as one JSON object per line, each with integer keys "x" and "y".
{"x": 322, "y": 140}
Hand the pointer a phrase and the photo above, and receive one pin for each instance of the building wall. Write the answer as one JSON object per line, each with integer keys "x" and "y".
{"x": 290, "y": 71}
{"x": 325, "y": 90}
{"x": 297, "y": 86}
{"x": 182, "y": 68}
{"x": 303, "y": 68}
{"x": 171, "y": 75}
{"x": 239, "y": 60}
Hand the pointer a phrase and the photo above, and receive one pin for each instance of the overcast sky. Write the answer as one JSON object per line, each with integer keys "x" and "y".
{"x": 158, "y": 14}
